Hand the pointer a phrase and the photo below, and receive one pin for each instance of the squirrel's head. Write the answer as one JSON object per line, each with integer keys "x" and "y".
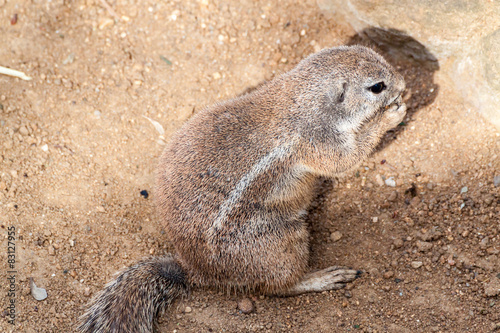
{"x": 344, "y": 87}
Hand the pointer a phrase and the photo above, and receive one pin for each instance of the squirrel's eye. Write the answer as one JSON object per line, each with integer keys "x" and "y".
{"x": 377, "y": 88}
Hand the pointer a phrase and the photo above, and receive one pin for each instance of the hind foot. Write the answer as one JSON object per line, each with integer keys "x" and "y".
{"x": 331, "y": 278}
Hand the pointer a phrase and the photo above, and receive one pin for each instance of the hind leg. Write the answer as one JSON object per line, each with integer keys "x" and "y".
{"x": 331, "y": 278}
{"x": 274, "y": 264}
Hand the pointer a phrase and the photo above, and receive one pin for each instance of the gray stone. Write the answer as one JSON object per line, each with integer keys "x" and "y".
{"x": 38, "y": 293}
{"x": 496, "y": 180}
{"x": 460, "y": 37}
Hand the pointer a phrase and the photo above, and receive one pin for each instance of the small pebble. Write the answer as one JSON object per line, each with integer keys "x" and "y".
{"x": 45, "y": 147}
{"x": 393, "y": 196}
{"x": 145, "y": 194}
{"x": 51, "y": 250}
{"x": 464, "y": 189}
{"x": 245, "y": 305}
{"x": 388, "y": 274}
{"x": 188, "y": 309}
{"x": 390, "y": 182}
{"x": 86, "y": 292}
{"x": 416, "y": 264}
{"x": 496, "y": 180}
{"x": 38, "y": 293}
{"x": 428, "y": 235}
{"x": 398, "y": 243}
{"x": 492, "y": 288}
{"x": 379, "y": 180}
{"x": 424, "y": 246}
{"x": 336, "y": 236}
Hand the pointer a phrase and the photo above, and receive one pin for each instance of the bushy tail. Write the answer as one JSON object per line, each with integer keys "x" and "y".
{"x": 131, "y": 302}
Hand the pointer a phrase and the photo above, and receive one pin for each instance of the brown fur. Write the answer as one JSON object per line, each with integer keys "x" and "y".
{"x": 235, "y": 182}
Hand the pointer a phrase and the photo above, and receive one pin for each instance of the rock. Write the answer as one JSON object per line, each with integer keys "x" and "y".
{"x": 379, "y": 180}
{"x": 38, "y": 293}
{"x": 390, "y": 182}
{"x": 492, "y": 288}
{"x": 464, "y": 189}
{"x": 496, "y": 180}
{"x": 336, "y": 236}
{"x": 86, "y": 292}
{"x": 188, "y": 309}
{"x": 393, "y": 196}
{"x": 433, "y": 33}
{"x": 245, "y": 306}
{"x": 45, "y": 147}
{"x": 51, "y": 250}
{"x": 388, "y": 274}
{"x": 416, "y": 264}
{"x": 430, "y": 235}
{"x": 398, "y": 243}
{"x": 423, "y": 246}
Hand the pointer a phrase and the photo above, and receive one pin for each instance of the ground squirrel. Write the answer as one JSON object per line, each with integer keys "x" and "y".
{"x": 234, "y": 185}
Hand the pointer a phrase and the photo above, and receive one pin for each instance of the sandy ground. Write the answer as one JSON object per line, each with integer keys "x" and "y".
{"x": 77, "y": 148}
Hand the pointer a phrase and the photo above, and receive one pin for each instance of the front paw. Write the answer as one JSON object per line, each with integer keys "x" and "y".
{"x": 394, "y": 115}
